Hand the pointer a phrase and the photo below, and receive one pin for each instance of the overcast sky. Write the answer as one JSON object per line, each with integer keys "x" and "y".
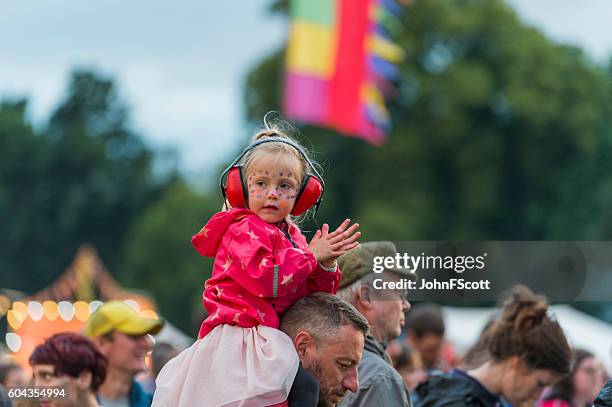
{"x": 181, "y": 65}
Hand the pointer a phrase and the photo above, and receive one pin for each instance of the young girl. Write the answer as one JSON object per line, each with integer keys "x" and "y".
{"x": 263, "y": 264}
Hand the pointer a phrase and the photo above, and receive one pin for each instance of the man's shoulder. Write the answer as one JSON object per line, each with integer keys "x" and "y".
{"x": 374, "y": 368}
{"x": 379, "y": 383}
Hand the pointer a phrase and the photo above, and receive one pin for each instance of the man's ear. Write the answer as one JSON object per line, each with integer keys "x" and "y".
{"x": 364, "y": 296}
{"x": 302, "y": 341}
{"x": 84, "y": 380}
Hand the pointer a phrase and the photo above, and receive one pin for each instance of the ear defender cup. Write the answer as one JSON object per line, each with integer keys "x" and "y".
{"x": 235, "y": 191}
{"x": 234, "y": 188}
{"x": 309, "y": 195}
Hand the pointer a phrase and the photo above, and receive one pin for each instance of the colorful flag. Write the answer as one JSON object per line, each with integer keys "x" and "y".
{"x": 339, "y": 64}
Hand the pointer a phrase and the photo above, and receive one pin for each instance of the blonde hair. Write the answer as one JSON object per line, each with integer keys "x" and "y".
{"x": 280, "y": 153}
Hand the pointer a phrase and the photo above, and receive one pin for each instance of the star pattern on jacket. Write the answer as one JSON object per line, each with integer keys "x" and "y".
{"x": 261, "y": 315}
{"x": 252, "y": 234}
{"x": 258, "y": 270}
{"x": 287, "y": 279}
{"x": 204, "y": 231}
{"x": 228, "y": 263}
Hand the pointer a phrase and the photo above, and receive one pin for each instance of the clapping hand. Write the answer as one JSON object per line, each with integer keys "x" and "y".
{"x": 328, "y": 246}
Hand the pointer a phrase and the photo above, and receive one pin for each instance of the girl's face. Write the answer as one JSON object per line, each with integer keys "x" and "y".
{"x": 272, "y": 189}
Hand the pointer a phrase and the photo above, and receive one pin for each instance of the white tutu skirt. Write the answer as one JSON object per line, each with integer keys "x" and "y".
{"x": 231, "y": 366}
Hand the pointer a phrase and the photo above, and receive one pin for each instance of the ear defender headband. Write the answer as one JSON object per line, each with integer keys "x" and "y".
{"x": 235, "y": 192}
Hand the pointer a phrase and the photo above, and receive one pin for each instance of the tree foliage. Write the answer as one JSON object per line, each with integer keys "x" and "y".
{"x": 499, "y": 133}
{"x": 159, "y": 257}
{"x": 83, "y": 178}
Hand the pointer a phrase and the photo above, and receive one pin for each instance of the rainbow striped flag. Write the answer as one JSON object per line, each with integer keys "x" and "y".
{"x": 340, "y": 63}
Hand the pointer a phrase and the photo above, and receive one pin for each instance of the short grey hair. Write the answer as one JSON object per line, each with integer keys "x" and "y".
{"x": 321, "y": 315}
{"x": 349, "y": 293}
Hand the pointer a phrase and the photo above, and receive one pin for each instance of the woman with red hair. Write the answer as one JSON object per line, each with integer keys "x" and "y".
{"x": 72, "y": 363}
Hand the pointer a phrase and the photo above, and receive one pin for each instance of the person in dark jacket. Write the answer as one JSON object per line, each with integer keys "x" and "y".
{"x": 527, "y": 351}
{"x": 328, "y": 335}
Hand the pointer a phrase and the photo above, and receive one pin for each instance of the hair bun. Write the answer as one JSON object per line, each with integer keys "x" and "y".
{"x": 524, "y": 309}
{"x": 267, "y": 133}
{"x": 525, "y": 330}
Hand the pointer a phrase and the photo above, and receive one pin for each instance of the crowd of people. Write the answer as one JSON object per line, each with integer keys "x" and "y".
{"x": 354, "y": 350}
{"x": 297, "y": 323}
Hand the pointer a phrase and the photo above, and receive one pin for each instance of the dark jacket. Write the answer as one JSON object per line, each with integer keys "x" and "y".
{"x": 304, "y": 391}
{"x": 454, "y": 389}
{"x": 604, "y": 399}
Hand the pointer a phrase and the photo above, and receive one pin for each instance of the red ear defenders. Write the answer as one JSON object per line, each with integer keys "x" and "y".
{"x": 234, "y": 189}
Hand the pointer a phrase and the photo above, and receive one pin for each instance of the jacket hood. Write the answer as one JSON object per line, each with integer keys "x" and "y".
{"x": 208, "y": 239}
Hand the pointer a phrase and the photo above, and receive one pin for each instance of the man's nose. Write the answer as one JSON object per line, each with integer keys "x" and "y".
{"x": 406, "y": 305}
{"x": 351, "y": 380}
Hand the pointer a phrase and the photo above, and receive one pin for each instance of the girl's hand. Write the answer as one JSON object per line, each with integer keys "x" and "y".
{"x": 327, "y": 247}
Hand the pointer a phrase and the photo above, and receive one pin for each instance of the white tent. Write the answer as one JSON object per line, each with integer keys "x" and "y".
{"x": 174, "y": 336}
{"x": 463, "y": 326}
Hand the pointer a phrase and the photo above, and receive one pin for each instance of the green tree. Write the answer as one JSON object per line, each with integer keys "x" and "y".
{"x": 159, "y": 257}
{"x": 84, "y": 178}
{"x": 22, "y": 164}
{"x": 499, "y": 133}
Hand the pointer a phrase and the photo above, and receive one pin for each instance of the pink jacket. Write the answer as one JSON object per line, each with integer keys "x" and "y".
{"x": 257, "y": 272}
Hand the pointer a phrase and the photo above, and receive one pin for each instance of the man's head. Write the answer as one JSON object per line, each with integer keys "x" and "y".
{"x": 426, "y": 333}
{"x": 122, "y": 335}
{"x": 383, "y": 308}
{"x": 71, "y": 362}
{"x": 328, "y": 334}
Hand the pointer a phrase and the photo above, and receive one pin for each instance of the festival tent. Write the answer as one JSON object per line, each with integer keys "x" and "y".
{"x": 66, "y": 304}
{"x": 463, "y": 327}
